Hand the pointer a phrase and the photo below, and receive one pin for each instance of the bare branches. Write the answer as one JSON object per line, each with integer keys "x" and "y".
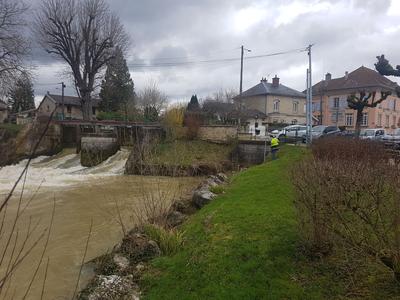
{"x": 13, "y": 46}
{"x": 84, "y": 34}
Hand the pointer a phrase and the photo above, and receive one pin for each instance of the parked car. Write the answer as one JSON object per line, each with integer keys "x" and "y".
{"x": 373, "y": 134}
{"x": 392, "y": 140}
{"x": 291, "y": 131}
{"x": 322, "y": 131}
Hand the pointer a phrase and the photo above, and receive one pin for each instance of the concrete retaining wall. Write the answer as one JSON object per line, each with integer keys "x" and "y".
{"x": 217, "y": 133}
{"x": 95, "y": 150}
{"x": 252, "y": 152}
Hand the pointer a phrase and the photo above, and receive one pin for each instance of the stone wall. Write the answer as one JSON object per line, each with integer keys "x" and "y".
{"x": 217, "y": 133}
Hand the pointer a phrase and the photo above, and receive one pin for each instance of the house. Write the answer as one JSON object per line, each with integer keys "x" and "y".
{"x": 280, "y": 104}
{"x": 330, "y": 100}
{"x": 72, "y": 107}
{"x": 3, "y": 112}
{"x": 254, "y": 120}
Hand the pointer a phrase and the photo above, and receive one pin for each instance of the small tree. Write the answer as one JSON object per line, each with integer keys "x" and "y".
{"x": 193, "y": 104}
{"x": 151, "y": 102}
{"x": 117, "y": 88}
{"x": 21, "y": 96}
{"x": 361, "y": 101}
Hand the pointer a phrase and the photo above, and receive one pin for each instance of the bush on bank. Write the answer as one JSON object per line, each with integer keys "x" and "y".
{"x": 348, "y": 202}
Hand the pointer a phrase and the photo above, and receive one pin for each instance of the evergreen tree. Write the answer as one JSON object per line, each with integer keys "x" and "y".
{"x": 21, "y": 96}
{"x": 117, "y": 88}
{"x": 193, "y": 104}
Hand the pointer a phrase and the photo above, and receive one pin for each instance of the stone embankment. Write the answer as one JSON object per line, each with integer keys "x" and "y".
{"x": 16, "y": 148}
{"x": 118, "y": 273}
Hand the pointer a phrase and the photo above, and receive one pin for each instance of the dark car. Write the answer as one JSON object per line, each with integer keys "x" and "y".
{"x": 320, "y": 131}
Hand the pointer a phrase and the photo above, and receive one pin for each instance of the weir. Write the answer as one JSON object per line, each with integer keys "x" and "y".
{"x": 98, "y": 140}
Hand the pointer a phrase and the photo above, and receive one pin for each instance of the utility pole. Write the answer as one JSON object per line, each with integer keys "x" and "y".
{"x": 241, "y": 80}
{"x": 309, "y": 97}
{"x": 63, "y": 86}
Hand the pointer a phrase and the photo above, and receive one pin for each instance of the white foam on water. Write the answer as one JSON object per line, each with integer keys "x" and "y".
{"x": 60, "y": 171}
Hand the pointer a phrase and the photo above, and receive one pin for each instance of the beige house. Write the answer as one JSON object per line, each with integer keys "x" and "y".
{"x": 71, "y": 106}
{"x": 3, "y": 112}
{"x": 278, "y": 102}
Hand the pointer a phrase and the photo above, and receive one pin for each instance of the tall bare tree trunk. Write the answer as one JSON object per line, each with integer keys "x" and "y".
{"x": 359, "y": 120}
{"x": 86, "y": 107}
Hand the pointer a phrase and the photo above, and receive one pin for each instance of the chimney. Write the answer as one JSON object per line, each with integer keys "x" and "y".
{"x": 346, "y": 75}
{"x": 263, "y": 79}
{"x": 328, "y": 76}
{"x": 275, "y": 81}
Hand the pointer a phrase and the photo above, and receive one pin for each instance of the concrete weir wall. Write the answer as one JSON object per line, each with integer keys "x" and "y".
{"x": 95, "y": 150}
{"x": 253, "y": 151}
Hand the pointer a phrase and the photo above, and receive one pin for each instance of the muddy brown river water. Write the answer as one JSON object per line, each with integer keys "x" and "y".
{"x": 80, "y": 196}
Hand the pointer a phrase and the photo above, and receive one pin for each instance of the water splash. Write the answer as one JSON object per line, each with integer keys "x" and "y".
{"x": 61, "y": 170}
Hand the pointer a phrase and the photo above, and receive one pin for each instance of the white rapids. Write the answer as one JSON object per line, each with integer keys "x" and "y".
{"x": 61, "y": 170}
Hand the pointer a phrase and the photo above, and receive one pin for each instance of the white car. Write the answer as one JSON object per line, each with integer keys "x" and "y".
{"x": 375, "y": 134}
{"x": 291, "y": 131}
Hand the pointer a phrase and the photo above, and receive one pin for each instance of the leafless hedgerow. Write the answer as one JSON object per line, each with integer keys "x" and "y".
{"x": 348, "y": 196}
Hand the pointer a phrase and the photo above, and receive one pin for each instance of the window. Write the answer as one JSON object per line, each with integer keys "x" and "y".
{"x": 394, "y": 121}
{"x": 387, "y": 121}
{"x": 69, "y": 109}
{"x": 336, "y": 102}
{"x": 276, "y": 105}
{"x": 379, "y": 120}
{"x": 364, "y": 119}
{"x": 295, "y": 107}
{"x": 48, "y": 108}
{"x": 349, "y": 119}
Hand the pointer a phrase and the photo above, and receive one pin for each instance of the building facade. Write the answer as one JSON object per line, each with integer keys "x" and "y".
{"x": 330, "y": 100}
{"x": 71, "y": 106}
{"x": 278, "y": 102}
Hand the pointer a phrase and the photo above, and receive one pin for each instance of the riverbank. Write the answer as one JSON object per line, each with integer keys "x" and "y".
{"x": 180, "y": 158}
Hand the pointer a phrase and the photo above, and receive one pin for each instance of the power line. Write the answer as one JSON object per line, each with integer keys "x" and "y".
{"x": 176, "y": 64}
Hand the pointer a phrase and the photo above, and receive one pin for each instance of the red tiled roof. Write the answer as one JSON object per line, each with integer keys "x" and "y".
{"x": 361, "y": 78}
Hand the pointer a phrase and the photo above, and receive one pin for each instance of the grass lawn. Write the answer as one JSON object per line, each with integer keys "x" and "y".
{"x": 241, "y": 246}
{"x": 183, "y": 152}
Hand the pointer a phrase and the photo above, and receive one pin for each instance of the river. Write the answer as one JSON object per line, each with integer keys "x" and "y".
{"x": 101, "y": 195}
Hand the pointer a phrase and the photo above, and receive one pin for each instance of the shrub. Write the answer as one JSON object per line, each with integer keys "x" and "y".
{"x": 348, "y": 197}
{"x": 170, "y": 241}
{"x": 192, "y": 122}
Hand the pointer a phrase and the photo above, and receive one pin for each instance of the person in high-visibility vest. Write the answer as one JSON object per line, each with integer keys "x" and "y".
{"x": 274, "y": 147}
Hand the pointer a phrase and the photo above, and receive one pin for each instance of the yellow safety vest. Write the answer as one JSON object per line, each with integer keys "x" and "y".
{"x": 274, "y": 142}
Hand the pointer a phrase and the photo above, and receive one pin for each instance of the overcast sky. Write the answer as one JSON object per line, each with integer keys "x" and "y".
{"x": 346, "y": 34}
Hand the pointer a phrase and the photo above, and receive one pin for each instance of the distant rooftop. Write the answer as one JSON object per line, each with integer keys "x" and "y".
{"x": 361, "y": 78}
{"x": 71, "y": 100}
{"x": 274, "y": 88}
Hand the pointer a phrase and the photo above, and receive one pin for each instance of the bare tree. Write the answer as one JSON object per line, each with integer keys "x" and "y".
{"x": 222, "y": 95}
{"x": 363, "y": 100}
{"x": 152, "y": 101}
{"x": 13, "y": 45}
{"x": 84, "y": 34}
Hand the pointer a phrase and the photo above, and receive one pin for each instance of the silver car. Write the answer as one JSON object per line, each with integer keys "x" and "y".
{"x": 374, "y": 134}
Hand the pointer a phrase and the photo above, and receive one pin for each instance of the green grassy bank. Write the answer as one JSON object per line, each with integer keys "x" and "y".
{"x": 241, "y": 246}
